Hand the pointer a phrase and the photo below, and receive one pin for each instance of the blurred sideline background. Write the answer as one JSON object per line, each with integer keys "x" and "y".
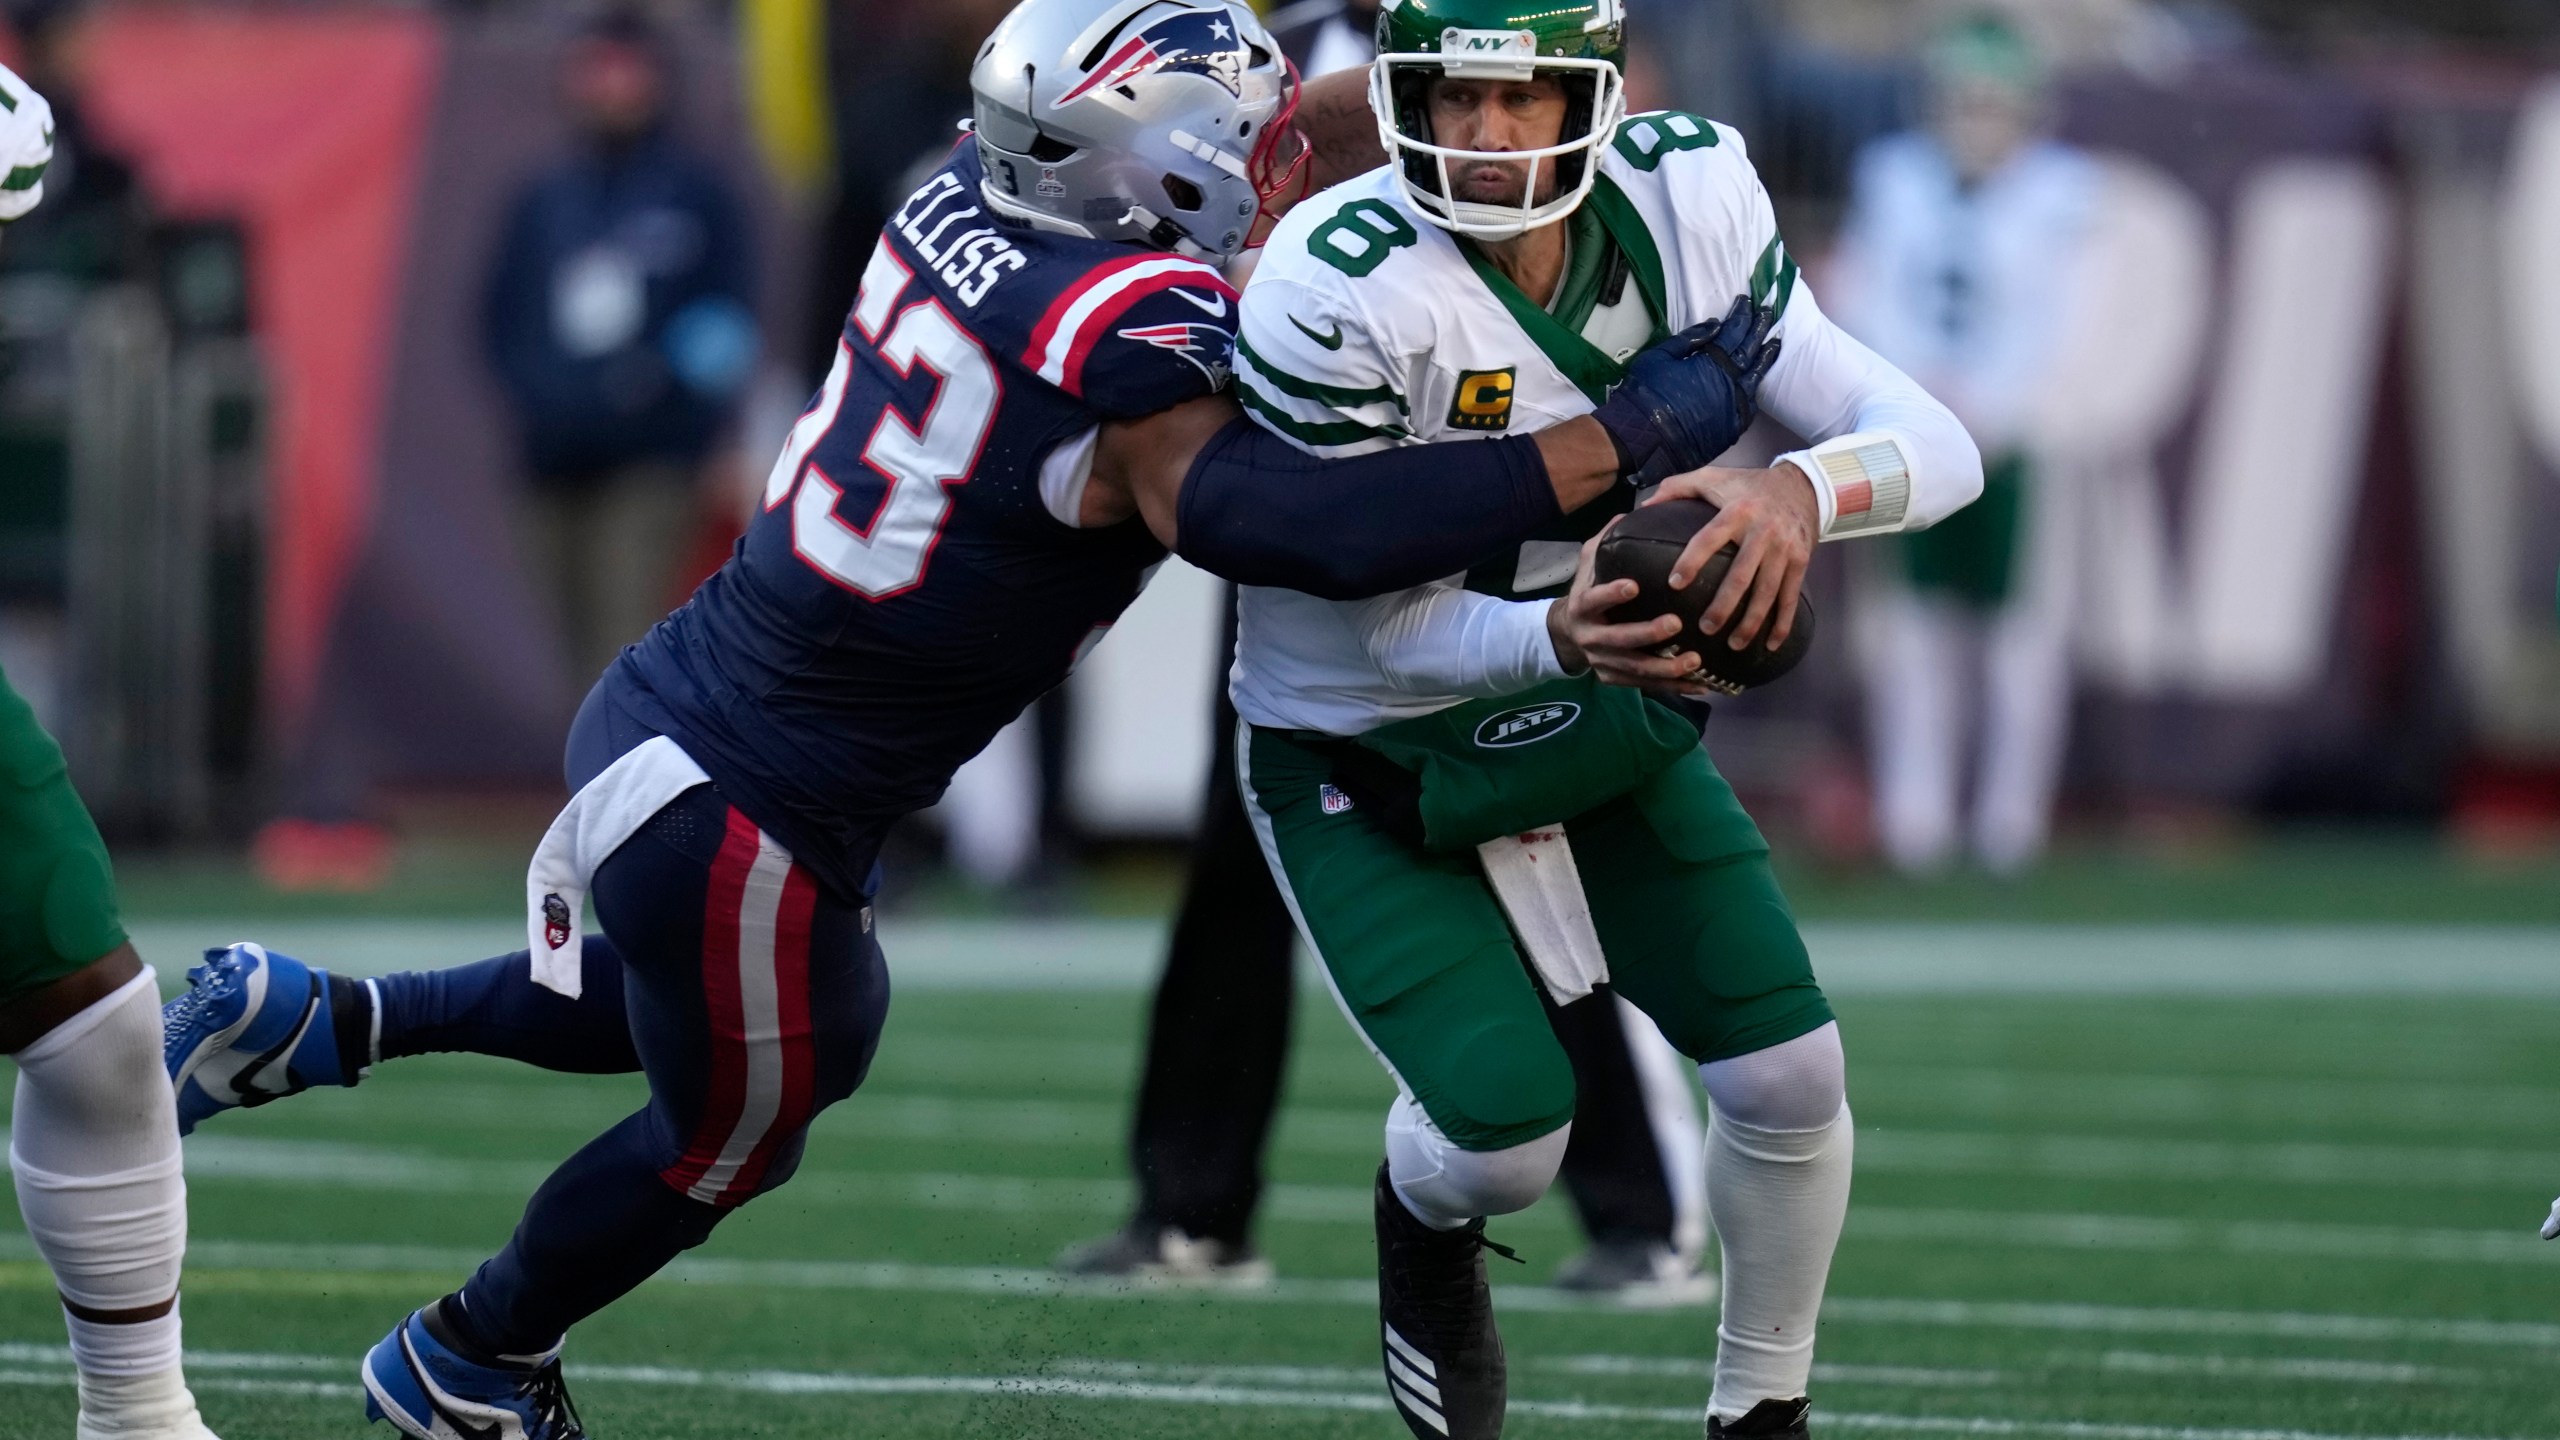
{"x": 271, "y": 560}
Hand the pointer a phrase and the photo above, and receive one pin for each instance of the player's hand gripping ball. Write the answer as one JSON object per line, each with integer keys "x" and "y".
{"x": 1643, "y": 547}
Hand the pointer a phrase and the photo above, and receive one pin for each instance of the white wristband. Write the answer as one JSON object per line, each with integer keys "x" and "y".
{"x": 1861, "y": 482}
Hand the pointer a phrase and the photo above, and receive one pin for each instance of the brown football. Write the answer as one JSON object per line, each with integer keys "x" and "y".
{"x": 1643, "y": 547}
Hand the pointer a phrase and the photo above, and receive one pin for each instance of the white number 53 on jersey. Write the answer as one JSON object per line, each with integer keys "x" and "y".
{"x": 910, "y": 468}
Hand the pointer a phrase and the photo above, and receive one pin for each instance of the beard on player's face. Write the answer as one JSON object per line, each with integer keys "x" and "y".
{"x": 1498, "y": 116}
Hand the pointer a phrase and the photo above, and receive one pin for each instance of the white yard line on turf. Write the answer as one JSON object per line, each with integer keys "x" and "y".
{"x": 1669, "y": 1367}
{"x": 1048, "y": 1122}
{"x": 326, "y": 1163}
{"x": 1896, "y": 958}
{"x": 1895, "y": 1151}
{"x": 2151, "y": 1320}
{"x": 2100, "y": 1157}
{"x": 803, "y": 1382}
{"x": 430, "y": 1262}
{"x": 2232, "y": 1237}
{"x": 2246, "y": 1367}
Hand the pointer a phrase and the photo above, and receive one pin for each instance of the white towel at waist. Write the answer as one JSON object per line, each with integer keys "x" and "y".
{"x": 605, "y": 812}
{"x": 1540, "y": 888}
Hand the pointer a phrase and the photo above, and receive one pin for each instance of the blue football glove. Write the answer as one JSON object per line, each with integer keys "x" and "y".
{"x": 1686, "y": 400}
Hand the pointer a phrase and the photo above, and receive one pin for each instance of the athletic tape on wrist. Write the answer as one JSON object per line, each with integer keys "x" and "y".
{"x": 1861, "y": 481}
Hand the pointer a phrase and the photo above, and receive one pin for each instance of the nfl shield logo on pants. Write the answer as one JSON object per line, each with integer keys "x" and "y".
{"x": 1333, "y": 800}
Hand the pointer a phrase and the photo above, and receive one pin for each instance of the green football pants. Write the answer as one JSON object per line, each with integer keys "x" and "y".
{"x": 57, "y": 896}
{"x": 1696, "y": 933}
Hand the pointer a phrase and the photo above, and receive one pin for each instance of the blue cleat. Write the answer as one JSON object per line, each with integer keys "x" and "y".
{"x": 418, "y": 1380}
{"x": 254, "y": 1026}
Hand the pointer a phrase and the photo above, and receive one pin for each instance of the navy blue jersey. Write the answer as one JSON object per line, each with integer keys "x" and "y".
{"x": 909, "y": 585}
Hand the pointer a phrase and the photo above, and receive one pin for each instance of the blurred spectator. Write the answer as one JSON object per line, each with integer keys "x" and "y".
{"x": 620, "y": 324}
{"x": 1954, "y": 263}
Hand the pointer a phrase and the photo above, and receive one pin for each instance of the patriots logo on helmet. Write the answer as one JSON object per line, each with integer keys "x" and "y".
{"x": 1190, "y": 42}
{"x": 1205, "y": 346}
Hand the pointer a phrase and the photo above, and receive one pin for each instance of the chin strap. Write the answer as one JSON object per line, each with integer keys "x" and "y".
{"x": 1861, "y": 481}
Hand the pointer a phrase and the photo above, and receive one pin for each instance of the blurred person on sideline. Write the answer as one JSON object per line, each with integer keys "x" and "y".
{"x": 93, "y": 1134}
{"x": 620, "y": 323}
{"x": 1954, "y": 263}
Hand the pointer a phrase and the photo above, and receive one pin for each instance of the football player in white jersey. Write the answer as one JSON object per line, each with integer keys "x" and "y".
{"x": 1440, "y": 779}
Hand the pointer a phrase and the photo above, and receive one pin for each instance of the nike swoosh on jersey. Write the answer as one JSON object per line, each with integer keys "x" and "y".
{"x": 1330, "y": 342}
{"x": 1216, "y": 305}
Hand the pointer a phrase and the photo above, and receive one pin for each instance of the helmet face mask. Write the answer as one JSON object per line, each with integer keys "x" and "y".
{"x": 1496, "y": 42}
{"x": 1158, "y": 122}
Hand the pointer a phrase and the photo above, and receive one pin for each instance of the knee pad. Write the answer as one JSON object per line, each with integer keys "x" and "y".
{"x": 1496, "y": 1084}
{"x": 94, "y": 1144}
{"x": 1799, "y": 1084}
{"x": 1447, "y": 1186}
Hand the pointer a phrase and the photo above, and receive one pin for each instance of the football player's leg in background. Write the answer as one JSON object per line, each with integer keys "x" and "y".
{"x": 1636, "y": 1167}
{"x": 1914, "y": 651}
{"x": 1700, "y": 937}
{"x": 1217, "y": 1048}
{"x": 2026, "y": 693}
{"x": 93, "y": 1142}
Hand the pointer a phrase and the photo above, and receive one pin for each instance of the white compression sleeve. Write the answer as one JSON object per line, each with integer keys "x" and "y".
{"x": 1440, "y": 640}
{"x": 94, "y": 1147}
{"x": 1778, "y": 1161}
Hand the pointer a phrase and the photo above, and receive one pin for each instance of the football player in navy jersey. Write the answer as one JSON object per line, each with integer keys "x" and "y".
{"x": 1027, "y": 408}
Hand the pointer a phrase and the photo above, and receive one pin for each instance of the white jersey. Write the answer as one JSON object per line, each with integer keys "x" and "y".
{"x": 1365, "y": 326}
{"x": 1965, "y": 286}
{"x": 26, "y": 145}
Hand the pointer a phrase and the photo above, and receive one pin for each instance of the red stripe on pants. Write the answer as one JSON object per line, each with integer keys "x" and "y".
{"x": 726, "y": 1013}
{"x": 791, "y": 932}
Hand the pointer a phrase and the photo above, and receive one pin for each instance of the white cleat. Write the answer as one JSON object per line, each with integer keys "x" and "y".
{"x": 2551, "y": 1227}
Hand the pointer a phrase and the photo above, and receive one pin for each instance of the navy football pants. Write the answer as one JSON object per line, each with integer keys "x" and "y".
{"x": 749, "y": 996}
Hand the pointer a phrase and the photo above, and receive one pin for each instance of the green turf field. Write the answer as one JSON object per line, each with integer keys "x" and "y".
{"x": 2161, "y": 1204}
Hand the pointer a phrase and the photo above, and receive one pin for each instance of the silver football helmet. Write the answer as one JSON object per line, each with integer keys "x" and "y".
{"x": 1162, "y": 122}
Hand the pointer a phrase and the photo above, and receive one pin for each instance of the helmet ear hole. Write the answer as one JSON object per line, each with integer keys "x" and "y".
{"x": 1183, "y": 194}
{"x": 1049, "y": 151}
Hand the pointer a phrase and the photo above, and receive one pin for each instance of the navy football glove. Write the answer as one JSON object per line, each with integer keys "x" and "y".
{"x": 1686, "y": 400}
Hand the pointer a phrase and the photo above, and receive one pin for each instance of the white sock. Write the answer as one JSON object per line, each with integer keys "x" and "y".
{"x": 139, "y": 1407}
{"x": 1778, "y": 1198}
{"x": 94, "y": 1148}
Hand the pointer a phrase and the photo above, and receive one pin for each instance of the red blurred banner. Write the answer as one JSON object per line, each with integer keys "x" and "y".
{"x": 306, "y": 127}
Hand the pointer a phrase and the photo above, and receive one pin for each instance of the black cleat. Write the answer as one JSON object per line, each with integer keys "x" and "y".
{"x": 1773, "y": 1419}
{"x": 1443, "y": 1355}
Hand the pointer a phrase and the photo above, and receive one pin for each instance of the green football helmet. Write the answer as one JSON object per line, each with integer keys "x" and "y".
{"x": 1581, "y": 43}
